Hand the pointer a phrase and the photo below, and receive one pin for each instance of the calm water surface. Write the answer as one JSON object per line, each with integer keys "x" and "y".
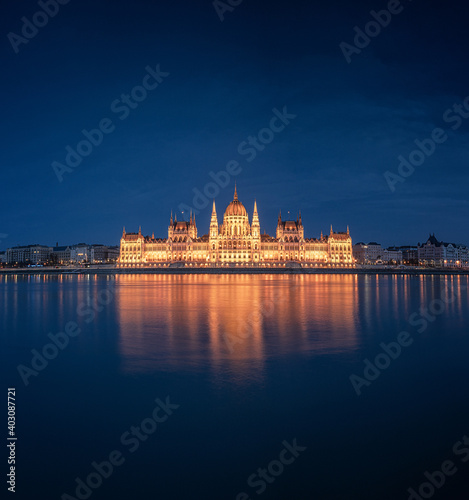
{"x": 252, "y": 361}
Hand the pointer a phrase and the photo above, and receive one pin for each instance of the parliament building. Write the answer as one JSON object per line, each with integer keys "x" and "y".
{"x": 236, "y": 242}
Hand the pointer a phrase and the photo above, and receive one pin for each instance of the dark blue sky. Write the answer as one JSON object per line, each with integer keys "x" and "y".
{"x": 352, "y": 120}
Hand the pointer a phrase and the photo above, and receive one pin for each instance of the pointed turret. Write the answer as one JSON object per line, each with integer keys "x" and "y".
{"x": 153, "y": 235}
{"x": 332, "y": 232}
{"x": 214, "y": 223}
{"x": 300, "y": 219}
{"x": 235, "y": 197}
{"x": 171, "y": 220}
{"x": 214, "y": 219}
{"x": 255, "y": 228}
{"x": 348, "y": 230}
{"x": 279, "y": 217}
{"x": 140, "y": 230}
{"x": 123, "y": 232}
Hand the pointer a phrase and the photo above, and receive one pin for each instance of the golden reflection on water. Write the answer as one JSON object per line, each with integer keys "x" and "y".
{"x": 172, "y": 322}
{"x": 236, "y": 322}
{"x": 232, "y": 323}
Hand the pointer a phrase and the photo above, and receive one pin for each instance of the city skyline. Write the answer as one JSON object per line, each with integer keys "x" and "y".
{"x": 389, "y": 241}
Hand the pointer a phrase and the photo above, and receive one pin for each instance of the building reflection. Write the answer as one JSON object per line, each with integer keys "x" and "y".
{"x": 229, "y": 324}
{"x": 234, "y": 323}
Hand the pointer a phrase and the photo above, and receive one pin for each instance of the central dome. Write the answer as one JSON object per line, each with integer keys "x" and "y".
{"x": 236, "y": 208}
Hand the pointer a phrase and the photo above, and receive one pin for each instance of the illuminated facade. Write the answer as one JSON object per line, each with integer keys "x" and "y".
{"x": 235, "y": 242}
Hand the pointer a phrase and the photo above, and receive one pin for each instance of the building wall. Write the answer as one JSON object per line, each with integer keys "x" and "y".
{"x": 31, "y": 254}
{"x": 368, "y": 253}
{"x": 440, "y": 254}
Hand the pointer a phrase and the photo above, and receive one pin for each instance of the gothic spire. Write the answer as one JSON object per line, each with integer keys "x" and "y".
{"x": 214, "y": 215}
{"x": 255, "y": 215}
{"x": 235, "y": 197}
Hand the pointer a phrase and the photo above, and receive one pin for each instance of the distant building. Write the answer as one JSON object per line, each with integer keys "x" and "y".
{"x": 98, "y": 253}
{"x": 440, "y": 254}
{"x": 61, "y": 255}
{"x": 80, "y": 253}
{"x": 392, "y": 255}
{"x": 410, "y": 255}
{"x": 113, "y": 253}
{"x": 70, "y": 254}
{"x": 101, "y": 254}
{"x": 30, "y": 254}
{"x": 463, "y": 255}
{"x": 367, "y": 253}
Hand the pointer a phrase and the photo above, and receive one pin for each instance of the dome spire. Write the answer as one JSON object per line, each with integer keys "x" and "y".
{"x": 235, "y": 197}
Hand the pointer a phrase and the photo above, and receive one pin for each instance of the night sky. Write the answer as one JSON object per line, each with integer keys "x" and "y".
{"x": 352, "y": 120}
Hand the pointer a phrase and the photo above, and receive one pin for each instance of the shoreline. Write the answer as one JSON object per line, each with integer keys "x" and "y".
{"x": 215, "y": 270}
